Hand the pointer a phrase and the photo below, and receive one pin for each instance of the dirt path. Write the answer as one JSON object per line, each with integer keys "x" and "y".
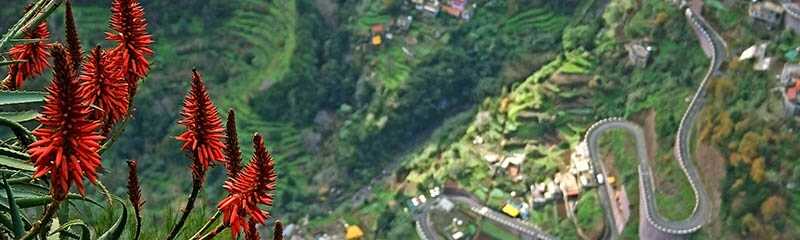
{"x": 713, "y": 169}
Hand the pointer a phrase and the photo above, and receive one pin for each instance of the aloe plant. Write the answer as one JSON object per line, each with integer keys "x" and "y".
{"x": 56, "y": 137}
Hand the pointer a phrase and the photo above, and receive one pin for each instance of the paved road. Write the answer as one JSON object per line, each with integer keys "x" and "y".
{"x": 700, "y": 213}
{"x": 670, "y": 229}
{"x": 426, "y": 231}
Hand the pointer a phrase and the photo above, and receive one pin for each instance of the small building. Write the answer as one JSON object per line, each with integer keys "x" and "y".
{"x": 513, "y": 159}
{"x": 353, "y": 232}
{"x": 513, "y": 172}
{"x": 553, "y": 192}
{"x": 789, "y": 74}
{"x": 452, "y": 11}
{"x": 763, "y": 64}
{"x": 537, "y": 194}
{"x": 491, "y": 157}
{"x": 757, "y": 51}
{"x": 580, "y": 161}
{"x": 586, "y": 180}
{"x": 789, "y": 83}
{"x": 377, "y": 40}
{"x": 638, "y": 53}
{"x": 434, "y": 192}
{"x": 432, "y": 7}
{"x": 404, "y": 23}
{"x": 445, "y": 205}
{"x": 458, "y": 4}
{"x": 458, "y": 235}
{"x": 377, "y": 28}
{"x": 767, "y": 12}
{"x": 792, "y": 19}
{"x": 791, "y": 102}
{"x": 568, "y": 184}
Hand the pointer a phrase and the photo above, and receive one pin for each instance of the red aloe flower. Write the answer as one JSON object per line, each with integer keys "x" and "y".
{"x": 34, "y": 54}
{"x": 253, "y": 186}
{"x": 73, "y": 42}
{"x": 68, "y": 141}
{"x": 103, "y": 86}
{"x": 251, "y": 232}
{"x": 133, "y": 41}
{"x": 204, "y": 133}
{"x": 135, "y": 195}
{"x": 233, "y": 155}
{"x": 134, "y": 190}
{"x": 277, "y": 233}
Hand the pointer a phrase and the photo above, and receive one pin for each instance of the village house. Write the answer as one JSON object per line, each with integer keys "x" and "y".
{"x": 537, "y": 194}
{"x": 580, "y": 165}
{"x": 792, "y": 17}
{"x": 377, "y": 31}
{"x": 790, "y": 85}
{"x": 432, "y": 7}
{"x": 553, "y": 192}
{"x": 404, "y": 23}
{"x": 757, "y": 51}
{"x": 638, "y": 53}
{"x": 568, "y": 184}
{"x": 419, "y": 4}
{"x": 353, "y": 232}
{"x": 767, "y": 12}
{"x": 455, "y": 7}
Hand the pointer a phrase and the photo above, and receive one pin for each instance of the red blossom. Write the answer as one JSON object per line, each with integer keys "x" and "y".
{"x": 251, "y": 232}
{"x": 104, "y": 86}
{"x": 233, "y": 155}
{"x": 204, "y": 133}
{"x": 133, "y": 42}
{"x": 73, "y": 42}
{"x": 277, "y": 233}
{"x": 134, "y": 190}
{"x": 33, "y": 54}
{"x": 68, "y": 141}
{"x": 253, "y": 186}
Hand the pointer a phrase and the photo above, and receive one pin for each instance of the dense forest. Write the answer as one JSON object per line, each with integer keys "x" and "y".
{"x": 359, "y": 128}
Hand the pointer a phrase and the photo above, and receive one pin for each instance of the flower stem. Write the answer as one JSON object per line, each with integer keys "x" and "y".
{"x": 48, "y": 215}
{"x": 221, "y": 227}
{"x": 207, "y": 225}
{"x": 197, "y": 184}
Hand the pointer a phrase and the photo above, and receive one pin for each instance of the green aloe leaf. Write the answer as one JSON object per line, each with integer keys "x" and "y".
{"x": 115, "y": 232}
{"x": 25, "y": 41}
{"x": 86, "y": 231}
{"x": 3, "y": 63}
{"x": 29, "y": 200}
{"x": 15, "y": 163}
{"x": 21, "y": 97}
{"x": 16, "y": 220}
{"x": 5, "y": 220}
{"x": 20, "y": 117}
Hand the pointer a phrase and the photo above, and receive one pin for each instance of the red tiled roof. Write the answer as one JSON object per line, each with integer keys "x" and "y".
{"x": 458, "y": 4}
{"x": 377, "y": 28}
{"x": 452, "y": 10}
{"x": 791, "y": 92}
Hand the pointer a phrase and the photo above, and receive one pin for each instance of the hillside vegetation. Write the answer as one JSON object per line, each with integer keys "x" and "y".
{"x": 358, "y": 129}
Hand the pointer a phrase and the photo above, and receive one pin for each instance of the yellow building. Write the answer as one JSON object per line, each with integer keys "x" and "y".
{"x": 510, "y": 210}
{"x": 377, "y": 40}
{"x": 353, "y": 233}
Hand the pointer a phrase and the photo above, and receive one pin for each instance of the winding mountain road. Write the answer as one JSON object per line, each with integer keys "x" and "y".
{"x": 658, "y": 226}
{"x": 525, "y": 230}
{"x": 653, "y": 225}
